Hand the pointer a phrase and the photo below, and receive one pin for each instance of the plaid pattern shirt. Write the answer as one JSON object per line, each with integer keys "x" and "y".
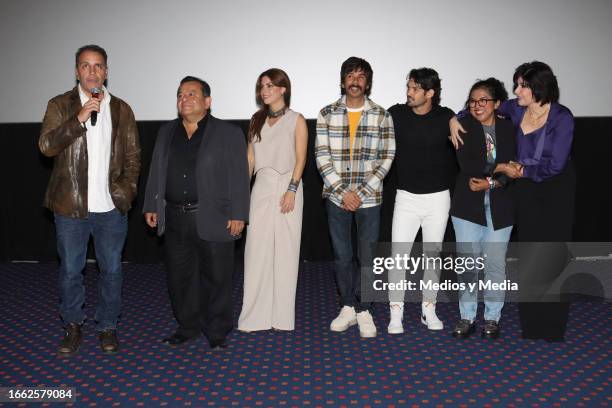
{"x": 373, "y": 152}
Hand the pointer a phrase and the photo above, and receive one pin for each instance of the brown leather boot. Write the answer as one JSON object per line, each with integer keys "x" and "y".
{"x": 108, "y": 341}
{"x": 72, "y": 339}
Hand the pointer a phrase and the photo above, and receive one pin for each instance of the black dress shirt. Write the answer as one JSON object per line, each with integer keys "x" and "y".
{"x": 181, "y": 187}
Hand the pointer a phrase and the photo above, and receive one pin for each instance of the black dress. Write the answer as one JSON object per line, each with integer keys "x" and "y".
{"x": 544, "y": 202}
{"x": 545, "y": 213}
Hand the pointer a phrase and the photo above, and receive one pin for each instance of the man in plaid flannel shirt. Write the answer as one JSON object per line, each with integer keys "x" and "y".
{"x": 354, "y": 149}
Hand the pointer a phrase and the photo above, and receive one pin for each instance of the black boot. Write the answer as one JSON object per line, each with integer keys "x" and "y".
{"x": 490, "y": 329}
{"x": 72, "y": 339}
{"x": 464, "y": 329}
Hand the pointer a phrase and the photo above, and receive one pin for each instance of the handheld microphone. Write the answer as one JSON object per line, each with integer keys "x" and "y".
{"x": 95, "y": 93}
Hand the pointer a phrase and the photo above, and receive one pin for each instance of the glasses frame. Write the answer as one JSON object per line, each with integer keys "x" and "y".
{"x": 482, "y": 102}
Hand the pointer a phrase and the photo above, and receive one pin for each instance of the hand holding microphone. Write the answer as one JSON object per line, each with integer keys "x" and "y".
{"x": 91, "y": 108}
{"x": 95, "y": 94}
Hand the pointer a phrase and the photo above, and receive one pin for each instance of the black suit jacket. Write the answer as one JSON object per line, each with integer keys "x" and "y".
{"x": 222, "y": 178}
{"x": 468, "y": 204}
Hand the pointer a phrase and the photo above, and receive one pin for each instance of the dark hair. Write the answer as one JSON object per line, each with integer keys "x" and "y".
{"x": 427, "y": 78}
{"x": 279, "y": 78}
{"x": 492, "y": 86}
{"x": 355, "y": 64}
{"x": 539, "y": 77}
{"x": 203, "y": 84}
{"x": 518, "y": 72}
{"x": 90, "y": 47}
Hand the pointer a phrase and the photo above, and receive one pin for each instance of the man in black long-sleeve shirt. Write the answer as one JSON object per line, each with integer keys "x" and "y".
{"x": 425, "y": 166}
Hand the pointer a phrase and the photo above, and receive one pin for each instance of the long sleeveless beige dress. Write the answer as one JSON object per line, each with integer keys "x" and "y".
{"x": 272, "y": 252}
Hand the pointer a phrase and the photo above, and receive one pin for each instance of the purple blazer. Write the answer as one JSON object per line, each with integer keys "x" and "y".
{"x": 546, "y": 151}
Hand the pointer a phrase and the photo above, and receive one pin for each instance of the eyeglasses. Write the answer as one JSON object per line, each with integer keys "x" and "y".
{"x": 480, "y": 102}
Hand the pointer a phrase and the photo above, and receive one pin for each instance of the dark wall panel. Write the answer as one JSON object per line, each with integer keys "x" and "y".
{"x": 27, "y": 231}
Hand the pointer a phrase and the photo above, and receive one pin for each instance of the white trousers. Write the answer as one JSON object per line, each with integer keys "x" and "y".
{"x": 412, "y": 212}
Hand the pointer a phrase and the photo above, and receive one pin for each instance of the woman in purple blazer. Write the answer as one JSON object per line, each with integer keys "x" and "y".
{"x": 545, "y": 194}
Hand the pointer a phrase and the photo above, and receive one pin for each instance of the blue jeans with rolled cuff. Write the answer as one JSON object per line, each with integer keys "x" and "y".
{"x": 476, "y": 240}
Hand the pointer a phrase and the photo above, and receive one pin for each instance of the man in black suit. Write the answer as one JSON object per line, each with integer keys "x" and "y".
{"x": 198, "y": 195}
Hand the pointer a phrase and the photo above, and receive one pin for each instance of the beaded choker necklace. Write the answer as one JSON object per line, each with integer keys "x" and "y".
{"x": 280, "y": 112}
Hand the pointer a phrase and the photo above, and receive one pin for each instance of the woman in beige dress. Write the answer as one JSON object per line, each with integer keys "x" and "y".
{"x": 278, "y": 140}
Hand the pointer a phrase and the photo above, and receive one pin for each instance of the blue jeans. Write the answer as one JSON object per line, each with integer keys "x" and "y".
{"x": 348, "y": 277}
{"x": 109, "y": 231}
{"x": 474, "y": 240}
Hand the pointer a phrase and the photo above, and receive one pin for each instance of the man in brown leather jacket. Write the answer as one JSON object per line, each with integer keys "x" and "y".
{"x": 93, "y": 138}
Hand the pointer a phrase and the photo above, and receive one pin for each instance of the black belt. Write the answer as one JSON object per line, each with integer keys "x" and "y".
{"x": 183, "y": 207}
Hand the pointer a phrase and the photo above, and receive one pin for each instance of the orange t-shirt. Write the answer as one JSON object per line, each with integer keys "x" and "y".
{"x": 354, "y": 116}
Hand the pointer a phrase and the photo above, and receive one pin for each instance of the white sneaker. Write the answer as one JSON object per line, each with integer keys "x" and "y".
{"x": 345, "y": 319}
{"x": 429, "y": 317}
{"x": 366, "y": 324}
{"x": 396, "y": 312}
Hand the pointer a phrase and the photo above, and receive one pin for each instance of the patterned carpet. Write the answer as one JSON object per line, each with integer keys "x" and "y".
{"x": 308, "y": 367}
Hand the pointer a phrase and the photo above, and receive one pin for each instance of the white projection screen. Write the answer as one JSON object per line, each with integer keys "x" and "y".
{"x": 153, "y": 44}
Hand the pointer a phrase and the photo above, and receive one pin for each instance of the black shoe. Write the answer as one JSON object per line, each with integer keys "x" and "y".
{"x": 490, "y": 329}
{"x": 177, "y": 339}
{"x": 218, "y": 344}
{"x": 108, "y": 341}
{"x": 72, "y": 339}
{"x": 464, "y": 329}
